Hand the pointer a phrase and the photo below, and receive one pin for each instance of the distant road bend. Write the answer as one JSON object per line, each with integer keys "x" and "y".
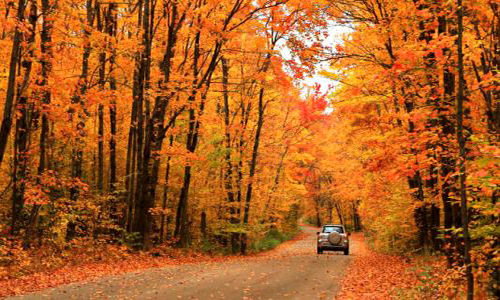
{"x": 293, "y": 272}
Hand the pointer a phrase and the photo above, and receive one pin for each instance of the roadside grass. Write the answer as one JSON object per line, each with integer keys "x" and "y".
{"x": 262, "y": 242}
{"x": 272, "y": 239}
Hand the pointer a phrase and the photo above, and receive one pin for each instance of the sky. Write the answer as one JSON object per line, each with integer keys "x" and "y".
{"x": 336, "y": 32}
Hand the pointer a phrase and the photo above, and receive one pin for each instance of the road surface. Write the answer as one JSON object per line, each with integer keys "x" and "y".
{"x": 293, "y": 271}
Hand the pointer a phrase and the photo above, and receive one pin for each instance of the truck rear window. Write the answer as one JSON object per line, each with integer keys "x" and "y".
{"x": 329, "y": 229}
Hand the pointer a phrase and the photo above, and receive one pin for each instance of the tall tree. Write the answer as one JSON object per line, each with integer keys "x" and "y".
{"x": 463, "y": 156}
{"x": 11, "y": 85}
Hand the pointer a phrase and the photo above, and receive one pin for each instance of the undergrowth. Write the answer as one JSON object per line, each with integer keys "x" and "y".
{"x": 272, "y": 239}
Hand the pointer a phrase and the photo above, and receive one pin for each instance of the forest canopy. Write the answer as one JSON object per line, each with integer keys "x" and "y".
{"x": 152, "y": 122}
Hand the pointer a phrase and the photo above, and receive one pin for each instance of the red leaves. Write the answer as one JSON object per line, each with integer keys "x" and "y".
{"x": 94, "y": 264}
{"x": 313, "y": 109}
{"x": 397, "y": 66}
{"x": 439, "y": 54}
{"x": 373, "y": 275}
{"x": 97, "y": 263}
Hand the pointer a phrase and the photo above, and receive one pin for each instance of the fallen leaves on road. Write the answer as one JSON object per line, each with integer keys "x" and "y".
{"x": 373, "y": 275}
{"x": 91, "y": 270}
{"x": 112, "y": 261}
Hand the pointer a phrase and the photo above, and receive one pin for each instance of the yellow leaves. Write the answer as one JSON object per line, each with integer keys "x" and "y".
{"x": 158, "y": 211}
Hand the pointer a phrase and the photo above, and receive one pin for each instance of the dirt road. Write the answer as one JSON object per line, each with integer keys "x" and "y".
{"x": 291, "y": 272}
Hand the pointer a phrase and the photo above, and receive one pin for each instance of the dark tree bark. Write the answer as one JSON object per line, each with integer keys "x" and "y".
{"x": 234, "y": 218}
{"x": 415, "y": 183}
{"x": 429, "y": 213}
{"x": 165, "y": 195}
{"x": 201, "y": 82}
{"x": 145, "y": 59}
{"x": 46, "y": 63}
{"x": 462, "y": 154}
{"x": 77, "y": 99}
{"x": 356, "y": 218}
{"x": 252, "y": 166}
{"x": 338, "y": 209}
{"x": 9, "y": 99}
{"x": 279, "y": 169}
{"x": 130, "y": 177}
{"x": 111, "y": 28}
{"x": 23, "y": 126}
{"x": 148, "y": 163}
{"x": 100, "y": 110}
{"x": 100, "y": 152}
{"x": 203, "y": 224}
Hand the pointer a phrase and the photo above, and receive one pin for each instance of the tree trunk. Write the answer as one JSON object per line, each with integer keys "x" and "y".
{"x": 100, "y": 155}
{"x": 339, "y": 213}
{"x": 111, "y": 25}
{"x": 234, "y": 217}
{"x": 9, "y": 99}
{"x": 46, "y": 62}
{"x": 200, "y": 82}
{"x": 138, "y": 220}
{"x": 252, "y": 166}
{"x": 77, "y": 156}
{"x": 23, "y": 127}
{"x": 100, "y": 110}
{"x": 462, "y": 155}
{"x": 165, "y": 194}
{"x": 81, "y": 90}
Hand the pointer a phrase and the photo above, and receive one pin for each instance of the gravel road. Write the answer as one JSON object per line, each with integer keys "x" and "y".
{"x": 293, "y": 271}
